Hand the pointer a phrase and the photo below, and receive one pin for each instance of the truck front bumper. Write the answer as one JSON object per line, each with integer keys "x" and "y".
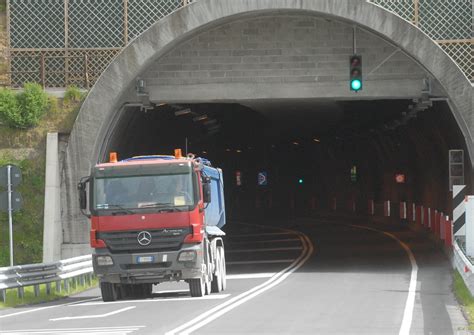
{"x": 149, "y": 267}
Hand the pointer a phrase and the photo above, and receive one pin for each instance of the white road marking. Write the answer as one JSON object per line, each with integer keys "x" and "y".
{"x": 251, "y": 276}
{"x": 410, "y": 303}
{"x": 265, "y": 241}
{"x": 93, "y": 316}
{"x": 155, "y": 300}
{"x": 263, "y": 249}
{"x": 227, "y": 306}
{"x": 47, "y": 307}
{"x": 268, "y": 261}
{"x": 98, "y": 330}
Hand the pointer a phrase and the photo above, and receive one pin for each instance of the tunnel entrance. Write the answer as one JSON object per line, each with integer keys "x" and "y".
{"x": 311, "y": 151}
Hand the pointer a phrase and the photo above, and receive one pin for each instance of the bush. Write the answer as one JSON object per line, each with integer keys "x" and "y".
{"x": 29, "y": 107}
{"x": 9, "y": 109}
{"x": 73, "y": 95}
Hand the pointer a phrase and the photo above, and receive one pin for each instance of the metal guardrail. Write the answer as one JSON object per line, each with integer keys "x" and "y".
{"x": 75, "y": 270}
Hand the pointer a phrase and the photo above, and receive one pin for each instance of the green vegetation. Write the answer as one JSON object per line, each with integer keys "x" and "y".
{"x": 29, "y": 298}
{"x": 24, "y": 109}
{"x": 465, "y": 298}
{"x": 26, "y": 148}
{"x": 73, "y": 95}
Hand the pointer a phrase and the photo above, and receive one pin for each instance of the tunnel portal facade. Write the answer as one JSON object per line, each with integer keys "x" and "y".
{"x": 253, "y": 53}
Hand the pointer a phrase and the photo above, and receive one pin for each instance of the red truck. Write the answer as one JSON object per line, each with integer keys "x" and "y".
{"x": 155, "y": 219}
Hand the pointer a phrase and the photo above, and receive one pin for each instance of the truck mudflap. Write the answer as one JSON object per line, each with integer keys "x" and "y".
{"x": 149, "y": 267}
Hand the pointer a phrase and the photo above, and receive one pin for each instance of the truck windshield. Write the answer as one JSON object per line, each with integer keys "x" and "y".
{"x": 135, "y": 192}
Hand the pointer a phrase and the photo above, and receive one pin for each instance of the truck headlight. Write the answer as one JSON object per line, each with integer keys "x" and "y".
{"x": 104, "y": 261}
{"x": 187, "y": 256}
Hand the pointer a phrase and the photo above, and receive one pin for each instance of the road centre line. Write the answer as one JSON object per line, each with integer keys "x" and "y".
{"x": 227, "y": 306}
{"x": 268, "y": 261}
{"x": 155, "y": 300}
{"x": 94, "y": 316}
{"x": 250, "y": 276}
{"x": 410, "y": 302}
{"x": 97, "y": 330}
{"x": 47, "y": 307}
{"x": 263, "y": 249}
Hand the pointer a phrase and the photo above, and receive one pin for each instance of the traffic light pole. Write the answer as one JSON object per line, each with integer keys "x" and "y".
{"x": 354, "y": 41}
{"x": 10, "y": 210}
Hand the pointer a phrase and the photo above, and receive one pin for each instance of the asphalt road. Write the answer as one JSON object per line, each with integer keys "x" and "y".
{"x": 306, "y": 276}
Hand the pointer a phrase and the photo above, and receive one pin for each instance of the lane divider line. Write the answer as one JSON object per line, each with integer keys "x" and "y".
{"x": 47, "y": 307}
{"x": 105, "y": 330}
{"x": 155, "y": 300}
{"x": 94, "y": 316}
{"x": 268, "y": 261}
{"x": 250, "y": 276}
{"x": 410, "y": 302}
{"x": 229, "y": 305}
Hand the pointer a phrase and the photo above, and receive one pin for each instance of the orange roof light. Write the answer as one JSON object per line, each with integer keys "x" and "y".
{"x": 178, "y": 153}
{"x": 113, "y": 157}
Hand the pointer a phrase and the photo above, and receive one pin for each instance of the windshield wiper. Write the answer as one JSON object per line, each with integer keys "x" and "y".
{"x": 155, "y": 204}
{"x": 123, "y": 209}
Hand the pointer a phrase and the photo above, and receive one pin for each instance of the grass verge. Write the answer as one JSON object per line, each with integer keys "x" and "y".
{"x": 465, "y": 298}
{"x": 29, "y": 297}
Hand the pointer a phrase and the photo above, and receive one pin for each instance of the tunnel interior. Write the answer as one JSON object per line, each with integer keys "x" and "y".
{"x": 311, "y": 151}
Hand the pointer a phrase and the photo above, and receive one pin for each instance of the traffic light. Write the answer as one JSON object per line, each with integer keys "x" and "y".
{"x": 300, "y": 181}
{"x": 355, "y": 73}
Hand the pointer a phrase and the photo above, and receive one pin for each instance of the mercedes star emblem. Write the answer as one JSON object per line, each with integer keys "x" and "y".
{"x": 144, "y": 238}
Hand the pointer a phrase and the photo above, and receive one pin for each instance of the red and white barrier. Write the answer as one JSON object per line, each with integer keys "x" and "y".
{"x": 403, "y": 210}
{"x": 442, "y": 226}
{"x": 371, "y": 207}
{"x": 386, "y": 208}
{"x": 448, "y": 241}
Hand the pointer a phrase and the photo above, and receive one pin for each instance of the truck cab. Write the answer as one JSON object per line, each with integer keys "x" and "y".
{"x": 156, "y": 219}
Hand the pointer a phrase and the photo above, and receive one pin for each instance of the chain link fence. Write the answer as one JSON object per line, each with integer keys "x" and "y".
{"x": 70, "y": 42}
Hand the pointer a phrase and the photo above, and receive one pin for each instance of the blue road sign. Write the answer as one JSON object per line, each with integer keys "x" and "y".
{"x": 262, "y": 178}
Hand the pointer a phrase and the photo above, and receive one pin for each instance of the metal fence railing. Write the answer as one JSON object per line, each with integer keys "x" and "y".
{"x": 79, "y": 269}
{"x": 70, "y": 42}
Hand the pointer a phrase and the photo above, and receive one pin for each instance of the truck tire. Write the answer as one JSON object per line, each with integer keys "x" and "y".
{"x": 109, "y": 292}
{"x": 197, "y": 287}
{"x": 221, "y": 253}
{"x": 216, "y": 284}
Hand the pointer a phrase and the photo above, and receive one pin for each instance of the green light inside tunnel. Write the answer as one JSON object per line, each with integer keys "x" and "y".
{"x": 300, "y": 181}
{"x": 356, "y": 84}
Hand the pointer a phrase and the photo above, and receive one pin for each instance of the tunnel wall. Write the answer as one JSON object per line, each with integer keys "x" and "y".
{"x": 278, "y": 57}
{"x": 100, "y": 109}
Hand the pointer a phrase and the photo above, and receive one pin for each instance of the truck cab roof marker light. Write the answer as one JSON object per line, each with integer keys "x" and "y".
{"x": 113, "y": 157}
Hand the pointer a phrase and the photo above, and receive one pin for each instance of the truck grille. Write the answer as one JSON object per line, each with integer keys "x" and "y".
{"x": 161, "y": 240}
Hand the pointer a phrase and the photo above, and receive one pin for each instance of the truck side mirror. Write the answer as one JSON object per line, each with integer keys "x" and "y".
{"x": 206, "y": 189}
{"x": 81, "y": 187}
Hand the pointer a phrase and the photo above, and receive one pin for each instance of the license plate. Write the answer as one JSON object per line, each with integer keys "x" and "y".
{"x": 145, "y": 259}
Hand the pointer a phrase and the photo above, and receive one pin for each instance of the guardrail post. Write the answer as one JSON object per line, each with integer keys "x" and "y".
{"x": 3, "y": 295}
{"x": 58, "y": 286}
{"x": 21, "y": 292}
{"x": 82, "y": 280}
{"x": 66, "y": 285}
{"x": 48, "y": 288}
{"x": 36, "y": 289}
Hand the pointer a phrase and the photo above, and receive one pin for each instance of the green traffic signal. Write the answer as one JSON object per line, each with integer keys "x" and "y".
{"x": 356, "y": 85}
{"x": 300, "y": 181}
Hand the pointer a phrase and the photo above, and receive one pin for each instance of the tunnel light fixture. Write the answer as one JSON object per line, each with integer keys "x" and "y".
{"x": 204, "y": 152}
{"x": 228, "y": 150}
{"x": 317, "y": 140}
{"x": 183, "y": 112}
{"x": 200, "y": 118}
{"x": 140, "y": 87}
{"x": 238, "y": 151}
{"x": 296, "y": 143}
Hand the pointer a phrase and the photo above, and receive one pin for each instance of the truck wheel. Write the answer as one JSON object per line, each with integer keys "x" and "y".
{"x": 109, "y": 291}
{"x": 197, "y": 287}
{"x": 221, "y": 254}
{"x": 216, "y": 284}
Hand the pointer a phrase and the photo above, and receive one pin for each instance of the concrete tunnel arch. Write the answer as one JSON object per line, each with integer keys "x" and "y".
{"x": 99, "y": 112}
